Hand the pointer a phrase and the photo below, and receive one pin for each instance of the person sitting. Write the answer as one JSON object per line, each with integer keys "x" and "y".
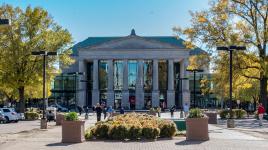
{"x": 122, "y": 111}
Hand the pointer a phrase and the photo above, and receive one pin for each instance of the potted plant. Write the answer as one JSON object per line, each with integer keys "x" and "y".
{"x": 73, "y": 130}
{"x": 59, "y": 118}
{"x": 230, "y": 120}
{"x": 196, "y": 125}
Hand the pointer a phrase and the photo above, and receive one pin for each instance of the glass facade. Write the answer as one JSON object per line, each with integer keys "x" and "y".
{"x": 65, "y": 86}
{"x": 118, "y": 83}
{"x": 103, "y": 80}
{"x": 64, "y": 90}
{"x": 162, "y": 82}
{"x": 89, "y": 84}
{"x": 132, "y": 77}
{"x": 148, "y": 79}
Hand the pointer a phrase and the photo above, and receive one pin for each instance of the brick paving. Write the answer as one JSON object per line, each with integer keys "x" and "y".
{"x": 220, "y": 139}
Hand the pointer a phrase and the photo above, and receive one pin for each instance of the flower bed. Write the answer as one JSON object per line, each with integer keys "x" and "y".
{"x": 132, "y": 126}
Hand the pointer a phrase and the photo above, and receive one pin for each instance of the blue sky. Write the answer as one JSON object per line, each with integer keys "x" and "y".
{"x": 84, "y": 18}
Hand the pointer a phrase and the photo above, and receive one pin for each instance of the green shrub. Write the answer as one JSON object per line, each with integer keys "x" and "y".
{"x": 118, "y": 132}
{"x": 168, "y": 129}
{"x": 150, "y": 132}
{"x": 134, "y": 132}
{"x": 31, "y": 115}
{"x": 196, "y": 113}
{"x": 152, "y": 111}
{"x": 71, "y": 116}
{"x": 224, "y": 113}
{"x": 89, "y": 133}
{"x": 240, "y": 113}
{"x": 101, "y": 131}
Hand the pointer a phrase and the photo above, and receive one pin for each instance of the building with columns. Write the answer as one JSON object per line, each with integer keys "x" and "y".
{"x": 133, "y": 72}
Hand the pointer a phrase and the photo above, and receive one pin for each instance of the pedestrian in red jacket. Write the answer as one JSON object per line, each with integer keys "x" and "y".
{"x": 261, "y": 111}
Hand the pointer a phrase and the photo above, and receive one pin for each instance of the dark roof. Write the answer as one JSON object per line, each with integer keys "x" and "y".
{"x": 165, "y": 39}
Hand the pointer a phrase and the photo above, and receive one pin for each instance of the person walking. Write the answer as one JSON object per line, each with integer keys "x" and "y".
{"x": 172, "y": 109}
{"x": 79, "y": 110}
{"x": 158, "y": 109}
{"x": 104, "y": 111}
{"x": 110, "y": 111}
{"x": 261, "y": 111}
{"x": 186, "y": 109}
{"x": 93, "y": 109}
{"x": 98, "y": 111}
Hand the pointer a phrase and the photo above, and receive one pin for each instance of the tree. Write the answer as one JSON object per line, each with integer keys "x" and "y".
{"x": 234, "y": 22}
{"x": 244, "y": 88}
{"x": 30, "y": 30}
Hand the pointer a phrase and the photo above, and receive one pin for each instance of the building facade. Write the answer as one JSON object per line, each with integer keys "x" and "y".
{"x": 133, "y": 72}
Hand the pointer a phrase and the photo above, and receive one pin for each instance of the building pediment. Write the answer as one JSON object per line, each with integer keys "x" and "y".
{"x": 132, "y": 42}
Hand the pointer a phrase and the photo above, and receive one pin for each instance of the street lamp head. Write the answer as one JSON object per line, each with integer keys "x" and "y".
{"x": 39, "y": 53}
{"x": 52, "y": 53}
{"x": 222, "y": 48}
{"x": 76, "y": 73}
{"x": 5, "y": 22}
{"x": 241, "y": 48}
{"x": 195, "y": 70}
{"x": 232, "y": 47}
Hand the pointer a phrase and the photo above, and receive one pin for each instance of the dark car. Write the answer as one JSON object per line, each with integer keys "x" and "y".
{"x": 2, "y": 117}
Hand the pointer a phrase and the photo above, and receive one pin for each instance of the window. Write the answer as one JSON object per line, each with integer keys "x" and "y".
{"x": 6, "y": 110}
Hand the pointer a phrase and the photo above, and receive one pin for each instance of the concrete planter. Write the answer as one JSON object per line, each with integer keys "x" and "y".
{"x": 230, "y": 123}
{"x": 197, "y": 129}
{"x": 59, "y": 118}
{"x": 73, "y": 131}
{"x": 212, "y": 117}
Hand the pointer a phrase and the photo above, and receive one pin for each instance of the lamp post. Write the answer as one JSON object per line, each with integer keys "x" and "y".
{"x": 75, "y": 74}
{"x": 181, "y": 97}
{"x": 194, "y": 71}
{"x": 44, "y": 54}
{"x": 230, "y": 121}
{"x": 86, "y": 81}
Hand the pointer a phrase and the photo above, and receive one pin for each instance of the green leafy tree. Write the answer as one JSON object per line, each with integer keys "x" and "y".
{"x": 32, "y": 29}
{"x": 233, "y": 22}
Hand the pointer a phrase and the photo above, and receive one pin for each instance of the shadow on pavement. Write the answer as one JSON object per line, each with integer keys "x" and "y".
{"x": 60, "y": 144}
{"x": 185, "y": 142}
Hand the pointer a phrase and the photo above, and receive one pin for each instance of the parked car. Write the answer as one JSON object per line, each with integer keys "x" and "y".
{"x": 60, "y": 108}
{"x": 21, "y": 116}
{"x": 10, "y": 114}
{"x": 2, "y": 117}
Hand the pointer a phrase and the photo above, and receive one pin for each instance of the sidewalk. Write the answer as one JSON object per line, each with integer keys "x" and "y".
{"x": 220, "y": 139}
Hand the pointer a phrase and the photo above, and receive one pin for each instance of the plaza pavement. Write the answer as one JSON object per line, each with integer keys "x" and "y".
{"x": 220, "y": 139}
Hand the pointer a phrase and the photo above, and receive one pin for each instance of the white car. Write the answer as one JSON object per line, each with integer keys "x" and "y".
{"x": 10, "y": 114}
{"x": 60, "y": 108}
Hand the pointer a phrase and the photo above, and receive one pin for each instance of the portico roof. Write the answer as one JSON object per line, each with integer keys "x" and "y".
{"x": 170, "y": 40}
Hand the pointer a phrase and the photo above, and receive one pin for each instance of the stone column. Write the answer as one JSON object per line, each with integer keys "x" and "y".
{"x": 170, "y": 92}
{"x": 81, "y": 86}
{"x": 95, "y": 90}
{"x": 110, "y": 90}
{"x": 139, "y": 86}
{"x": 185, "y": 83}
{"x": 155, "y": 92}
{"x": 125, "y": 92}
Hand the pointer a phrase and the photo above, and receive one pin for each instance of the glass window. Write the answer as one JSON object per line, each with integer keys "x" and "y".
{"x": 118, "y": 75}
{"x": 162, "y": 80}
{"x": 132, "y": 74}
{"x": 148, "y": 74}
{"x": 103, "y": 74}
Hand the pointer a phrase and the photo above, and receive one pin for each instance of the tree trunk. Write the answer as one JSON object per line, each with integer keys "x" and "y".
{"x": 22, "y": 100}
{"x": 263, "y": 92}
